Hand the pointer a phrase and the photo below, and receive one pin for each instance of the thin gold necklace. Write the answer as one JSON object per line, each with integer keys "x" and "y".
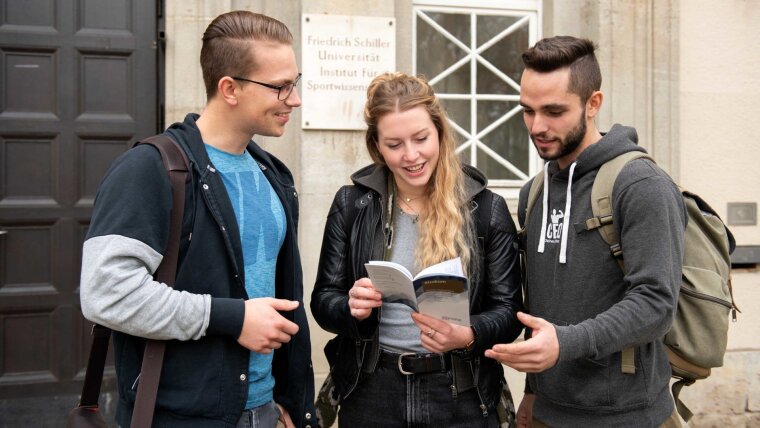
{"x": 416, "y": 214}
{"x": 407, "y": 200}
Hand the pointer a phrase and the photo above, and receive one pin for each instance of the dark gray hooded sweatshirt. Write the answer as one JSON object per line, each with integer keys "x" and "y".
{"x": 574, "y": 282}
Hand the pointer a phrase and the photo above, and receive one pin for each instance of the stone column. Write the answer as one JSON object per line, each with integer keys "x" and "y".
{"x": 638, "y": 55}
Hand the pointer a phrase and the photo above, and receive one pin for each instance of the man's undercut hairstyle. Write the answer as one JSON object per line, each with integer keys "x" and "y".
{"x": 227, "y": 42}
{"x": 553, "y": 53}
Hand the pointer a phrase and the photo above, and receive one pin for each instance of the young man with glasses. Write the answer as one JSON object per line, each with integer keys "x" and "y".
{"x": 238, "y": 350}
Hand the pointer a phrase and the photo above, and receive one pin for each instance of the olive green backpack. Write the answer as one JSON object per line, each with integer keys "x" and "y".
{"x": 698, "y": 338}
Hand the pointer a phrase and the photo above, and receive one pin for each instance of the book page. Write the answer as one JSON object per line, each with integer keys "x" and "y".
{"x": 393, "y": 281}
{"x": 448, "y": 267}
{"x": 393, "y": 265}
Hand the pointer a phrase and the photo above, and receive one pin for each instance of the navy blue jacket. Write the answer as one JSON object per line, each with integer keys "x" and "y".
{"x": 204, "y": 379}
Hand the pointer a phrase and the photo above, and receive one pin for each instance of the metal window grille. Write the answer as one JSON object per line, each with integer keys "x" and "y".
{"x": 471, "y": 56}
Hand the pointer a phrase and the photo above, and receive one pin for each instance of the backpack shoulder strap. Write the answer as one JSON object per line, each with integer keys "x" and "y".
{"x": 535, "y": 189}
{"x": 177, "y": 166}
{"x": 601, "y": 207}
{"x": 601, "y": 200}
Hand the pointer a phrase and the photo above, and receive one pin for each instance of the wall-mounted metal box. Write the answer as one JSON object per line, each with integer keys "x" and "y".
{"x": 746, "y": 255}
{"x": 742, "y": 214}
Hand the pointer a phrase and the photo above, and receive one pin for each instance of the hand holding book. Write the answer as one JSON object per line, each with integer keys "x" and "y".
{"x": 362, "y": 298}
{"x": 441, "y": 290}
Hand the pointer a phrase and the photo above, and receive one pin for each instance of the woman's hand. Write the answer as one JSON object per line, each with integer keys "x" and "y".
{"x": 441, "y": 336}
{"x": 362, "y": 298}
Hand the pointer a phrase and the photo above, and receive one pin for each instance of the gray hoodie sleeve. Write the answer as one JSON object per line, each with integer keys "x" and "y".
{"x": 650, "y": 216}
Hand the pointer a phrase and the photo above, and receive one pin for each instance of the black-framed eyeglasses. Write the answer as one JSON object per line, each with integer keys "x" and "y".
{"x": 283, "y": 91}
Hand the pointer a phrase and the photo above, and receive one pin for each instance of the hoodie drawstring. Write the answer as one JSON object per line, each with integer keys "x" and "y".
{"x": 566, "y": 222}
{"x": 566, "y": 218}
{"x": 545, "y": 208}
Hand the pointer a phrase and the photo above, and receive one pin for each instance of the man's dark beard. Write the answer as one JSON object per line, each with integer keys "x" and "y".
{"x": 571, "y": 142}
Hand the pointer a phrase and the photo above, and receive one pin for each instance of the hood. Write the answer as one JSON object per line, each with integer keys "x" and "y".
{"x": 620, "y": 139}
{"x": 188, "y": 134}
{"x": 375, "y": 177}
{"x": 474, "y": 181}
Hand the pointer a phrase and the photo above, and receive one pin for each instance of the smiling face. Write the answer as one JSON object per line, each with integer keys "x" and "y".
{"x": 262, "y": 113}
{"x": 409, "y": 144}
{"x": 556, "y": 118}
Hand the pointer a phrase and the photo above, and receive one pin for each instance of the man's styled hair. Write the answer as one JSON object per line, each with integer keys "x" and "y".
{"x": 227, "y": 42}
{"x": 558, "y": 52}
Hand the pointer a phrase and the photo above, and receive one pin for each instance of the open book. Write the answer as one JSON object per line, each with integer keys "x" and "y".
{"x": 441, "y": 290}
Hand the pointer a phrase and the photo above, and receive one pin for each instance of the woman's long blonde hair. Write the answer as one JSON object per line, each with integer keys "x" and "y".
{"x": 445, "y": 227}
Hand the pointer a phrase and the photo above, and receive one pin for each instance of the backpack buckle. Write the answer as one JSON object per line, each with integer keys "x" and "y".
{"x": 598, "y": 221}
{"x": 593, "y": 223}
{"x": 616, "y": 250}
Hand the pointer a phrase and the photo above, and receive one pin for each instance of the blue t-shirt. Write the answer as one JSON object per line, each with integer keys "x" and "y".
{"x": 261, "y": 221}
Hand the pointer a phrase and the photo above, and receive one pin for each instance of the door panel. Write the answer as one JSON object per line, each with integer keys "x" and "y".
{"x": 78, "y": 86}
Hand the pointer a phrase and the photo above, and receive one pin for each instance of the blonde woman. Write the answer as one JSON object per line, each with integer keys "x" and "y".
{"x": 417, "y": 206}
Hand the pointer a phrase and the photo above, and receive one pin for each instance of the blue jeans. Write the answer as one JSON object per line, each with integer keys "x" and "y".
{"x": 388, "y": 398}
{"x": 264, "y": 416}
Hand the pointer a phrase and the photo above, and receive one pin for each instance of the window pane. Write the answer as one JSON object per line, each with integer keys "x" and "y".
{"x": 458, "y": 24}
{"x": 506, "y": 54}
{"x": 489, "y": 83}
{"x": 436, "y": 53}
{"x": 509, "y": 140}
{"x": 458, "y": 111}
{"x": 457, "y": 82}
{"x": 489, "y": 26}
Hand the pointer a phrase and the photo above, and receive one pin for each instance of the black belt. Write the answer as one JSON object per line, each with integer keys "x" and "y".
{"x": 410, "y": 363}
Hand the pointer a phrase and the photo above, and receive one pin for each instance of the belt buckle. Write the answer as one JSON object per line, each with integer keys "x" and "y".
{"x": 400, "y": 365}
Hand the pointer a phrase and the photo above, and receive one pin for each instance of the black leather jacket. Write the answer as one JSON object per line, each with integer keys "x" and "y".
{"x": 495, "y": 293}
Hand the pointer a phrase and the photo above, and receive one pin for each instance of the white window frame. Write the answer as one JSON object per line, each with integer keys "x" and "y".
{"x": 531, "y": 12}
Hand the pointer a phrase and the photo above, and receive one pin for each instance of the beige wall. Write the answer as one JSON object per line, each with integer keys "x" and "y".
{"x": 684, "y": 73}
{"x": 720, "y": 86}
{"x": 638, "y": 55}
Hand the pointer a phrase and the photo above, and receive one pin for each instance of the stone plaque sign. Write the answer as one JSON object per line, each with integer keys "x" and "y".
{"x": 340, "y": 56}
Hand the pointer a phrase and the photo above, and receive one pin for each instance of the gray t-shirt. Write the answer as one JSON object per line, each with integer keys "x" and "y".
{"x": 398, "y": 333}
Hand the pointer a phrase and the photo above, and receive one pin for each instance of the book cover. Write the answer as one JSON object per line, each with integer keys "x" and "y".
{"x": 440, "y": 290}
